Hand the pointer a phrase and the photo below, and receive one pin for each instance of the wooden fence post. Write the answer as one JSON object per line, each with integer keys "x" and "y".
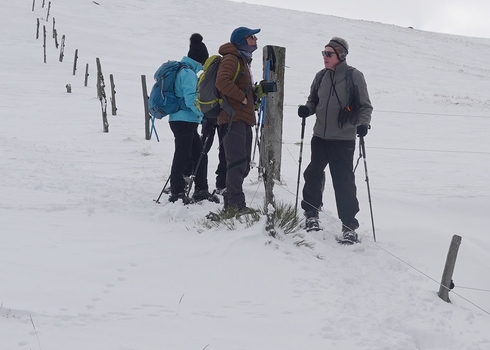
{"x": 49, "y": 8}
{"x": 33, "y": 3}
{"x": 102, "y": 96}
{"x": 86, "y": 74}
{"x": 62, "y": 49}
{"x": 272, "y": 132}
{"x": 44, "y": 43}
{"x": 37, "y": 29}
{"x": 145, "y": 103}
{"x": 43, "y": 4}
{"x": 75, "y": 62}
{"x": 447, "y": 275}
{"x": 56, "y": 38}
{"x": 113, "y": 95}
{"x": 271, "y": 138}
{"x": 271, "y": 127}
{"x": 54, "y": 22}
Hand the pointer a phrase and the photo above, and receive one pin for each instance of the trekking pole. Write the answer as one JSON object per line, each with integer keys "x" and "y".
{"x": 303, "y": 124}
{"x": 163, "y": 190}
{"x": 363, "y": 150}
{"x": 203, "y": 152}
{"x": 261, "y": 119}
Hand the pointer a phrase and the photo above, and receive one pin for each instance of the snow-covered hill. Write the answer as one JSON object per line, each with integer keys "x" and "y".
{"x": 88, "y": 260}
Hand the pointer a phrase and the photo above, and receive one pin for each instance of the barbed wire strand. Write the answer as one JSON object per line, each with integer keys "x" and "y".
{"x": 403, "y": 261}
{"x": 420, "y": 113}
{"x": 379, "y": 247}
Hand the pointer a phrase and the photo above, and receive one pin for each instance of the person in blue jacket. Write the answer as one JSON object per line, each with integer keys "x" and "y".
{"x": 184, "y": 123}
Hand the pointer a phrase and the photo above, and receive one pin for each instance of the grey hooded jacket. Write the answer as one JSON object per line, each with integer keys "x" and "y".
{"x": 324, "y": 102}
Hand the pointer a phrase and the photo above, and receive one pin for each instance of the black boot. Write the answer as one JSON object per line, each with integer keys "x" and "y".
{"x": 174, "y": 197}
{"x": 200, "y": 195}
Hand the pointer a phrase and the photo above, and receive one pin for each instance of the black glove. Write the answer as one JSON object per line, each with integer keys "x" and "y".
{"x": 362, "y": 130}
{"x": 303, "y": 111}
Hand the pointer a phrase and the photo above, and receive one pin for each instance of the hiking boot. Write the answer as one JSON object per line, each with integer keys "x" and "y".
{"x": 245, "y": 210}
{"x": 349, "y": 235}
{"x": 200, "y": 195}
{"x": 312, "y": 224}
{"x": 174, "y": 197}
{"x": 233, "y": 210}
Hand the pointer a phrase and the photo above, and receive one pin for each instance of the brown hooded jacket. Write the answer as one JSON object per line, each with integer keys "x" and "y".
{"x": 235, "y": 92}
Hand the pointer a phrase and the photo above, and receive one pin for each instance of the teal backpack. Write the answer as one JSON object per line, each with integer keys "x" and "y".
{"x": 162, "y": 100}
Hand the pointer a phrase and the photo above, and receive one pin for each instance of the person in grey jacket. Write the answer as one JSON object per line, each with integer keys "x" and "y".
{"x": 339, "y": 98}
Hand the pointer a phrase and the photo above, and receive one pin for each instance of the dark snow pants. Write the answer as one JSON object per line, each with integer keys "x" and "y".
{"x": 339, "y": 155}
{"x": 238, "y": 150}
{"x": 188, "y": 148}
{"x": 209, "y": 128}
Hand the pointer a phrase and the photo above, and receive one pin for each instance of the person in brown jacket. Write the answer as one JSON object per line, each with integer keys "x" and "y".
{"x": 237, "y": 118}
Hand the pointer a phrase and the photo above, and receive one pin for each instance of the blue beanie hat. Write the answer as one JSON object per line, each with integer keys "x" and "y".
{"x": 238, "y": 36}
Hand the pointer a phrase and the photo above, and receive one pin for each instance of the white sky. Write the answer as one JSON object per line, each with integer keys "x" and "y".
{"x": 468, "y": 18}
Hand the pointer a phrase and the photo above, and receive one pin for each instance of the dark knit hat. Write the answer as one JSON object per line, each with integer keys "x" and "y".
{"x": 239, "y": 34}
{"x": 197, "y": 50}
{"x": 340, "y": 46}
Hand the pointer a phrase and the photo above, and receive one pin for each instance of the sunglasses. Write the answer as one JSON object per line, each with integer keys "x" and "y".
{"x": 252, "y": 37}
{"x": 328, "y": 53}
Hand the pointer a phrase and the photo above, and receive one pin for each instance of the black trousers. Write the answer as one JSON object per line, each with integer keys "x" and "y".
{"x": 188, "y": 148}
{"x": 209, "y": 129}
{"x": 339, "y": 155}
{"x": 238, "y": 149}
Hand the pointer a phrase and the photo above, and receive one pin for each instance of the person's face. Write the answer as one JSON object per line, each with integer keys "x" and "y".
{"x": 251, "y": 40}
{"x": 330, "y": 59}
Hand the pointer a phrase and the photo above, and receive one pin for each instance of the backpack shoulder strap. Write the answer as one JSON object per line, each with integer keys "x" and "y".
{"x": 353, "y": 92}
{"x": 319, "y": 78}
{"x": 235, "y": 76}
{"x": 238, "y": 68}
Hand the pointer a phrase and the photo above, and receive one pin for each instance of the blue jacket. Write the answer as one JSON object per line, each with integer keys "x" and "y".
{"x": 186, "y": 88}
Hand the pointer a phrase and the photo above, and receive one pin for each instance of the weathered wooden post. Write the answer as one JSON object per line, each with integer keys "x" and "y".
{"x": 274, "y": 58}
{"x": 271, "y": 140}
{"x": 62, "y": 49}
{"x": 33, "y": 3}
{"x": 44, "y": 43}
{"x": 86, "y": 74}
{"x": 49, "y": 8}
{"x": 37, "y": 29}
{"x": 113, "y": 95}
{"x": 55, "y": 33}
{"x": 54, "y": 22}
{"x": 102, "y": 96}
{"x": 447, "y": 275}
{"x": 75, "y": 62}
{"x": 145, "y": 103}
{"x": 43, "y": 4}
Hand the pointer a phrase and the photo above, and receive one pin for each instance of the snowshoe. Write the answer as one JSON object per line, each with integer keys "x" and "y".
{"x": 348, "y": 237}
{"x": 312, "y": 224}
